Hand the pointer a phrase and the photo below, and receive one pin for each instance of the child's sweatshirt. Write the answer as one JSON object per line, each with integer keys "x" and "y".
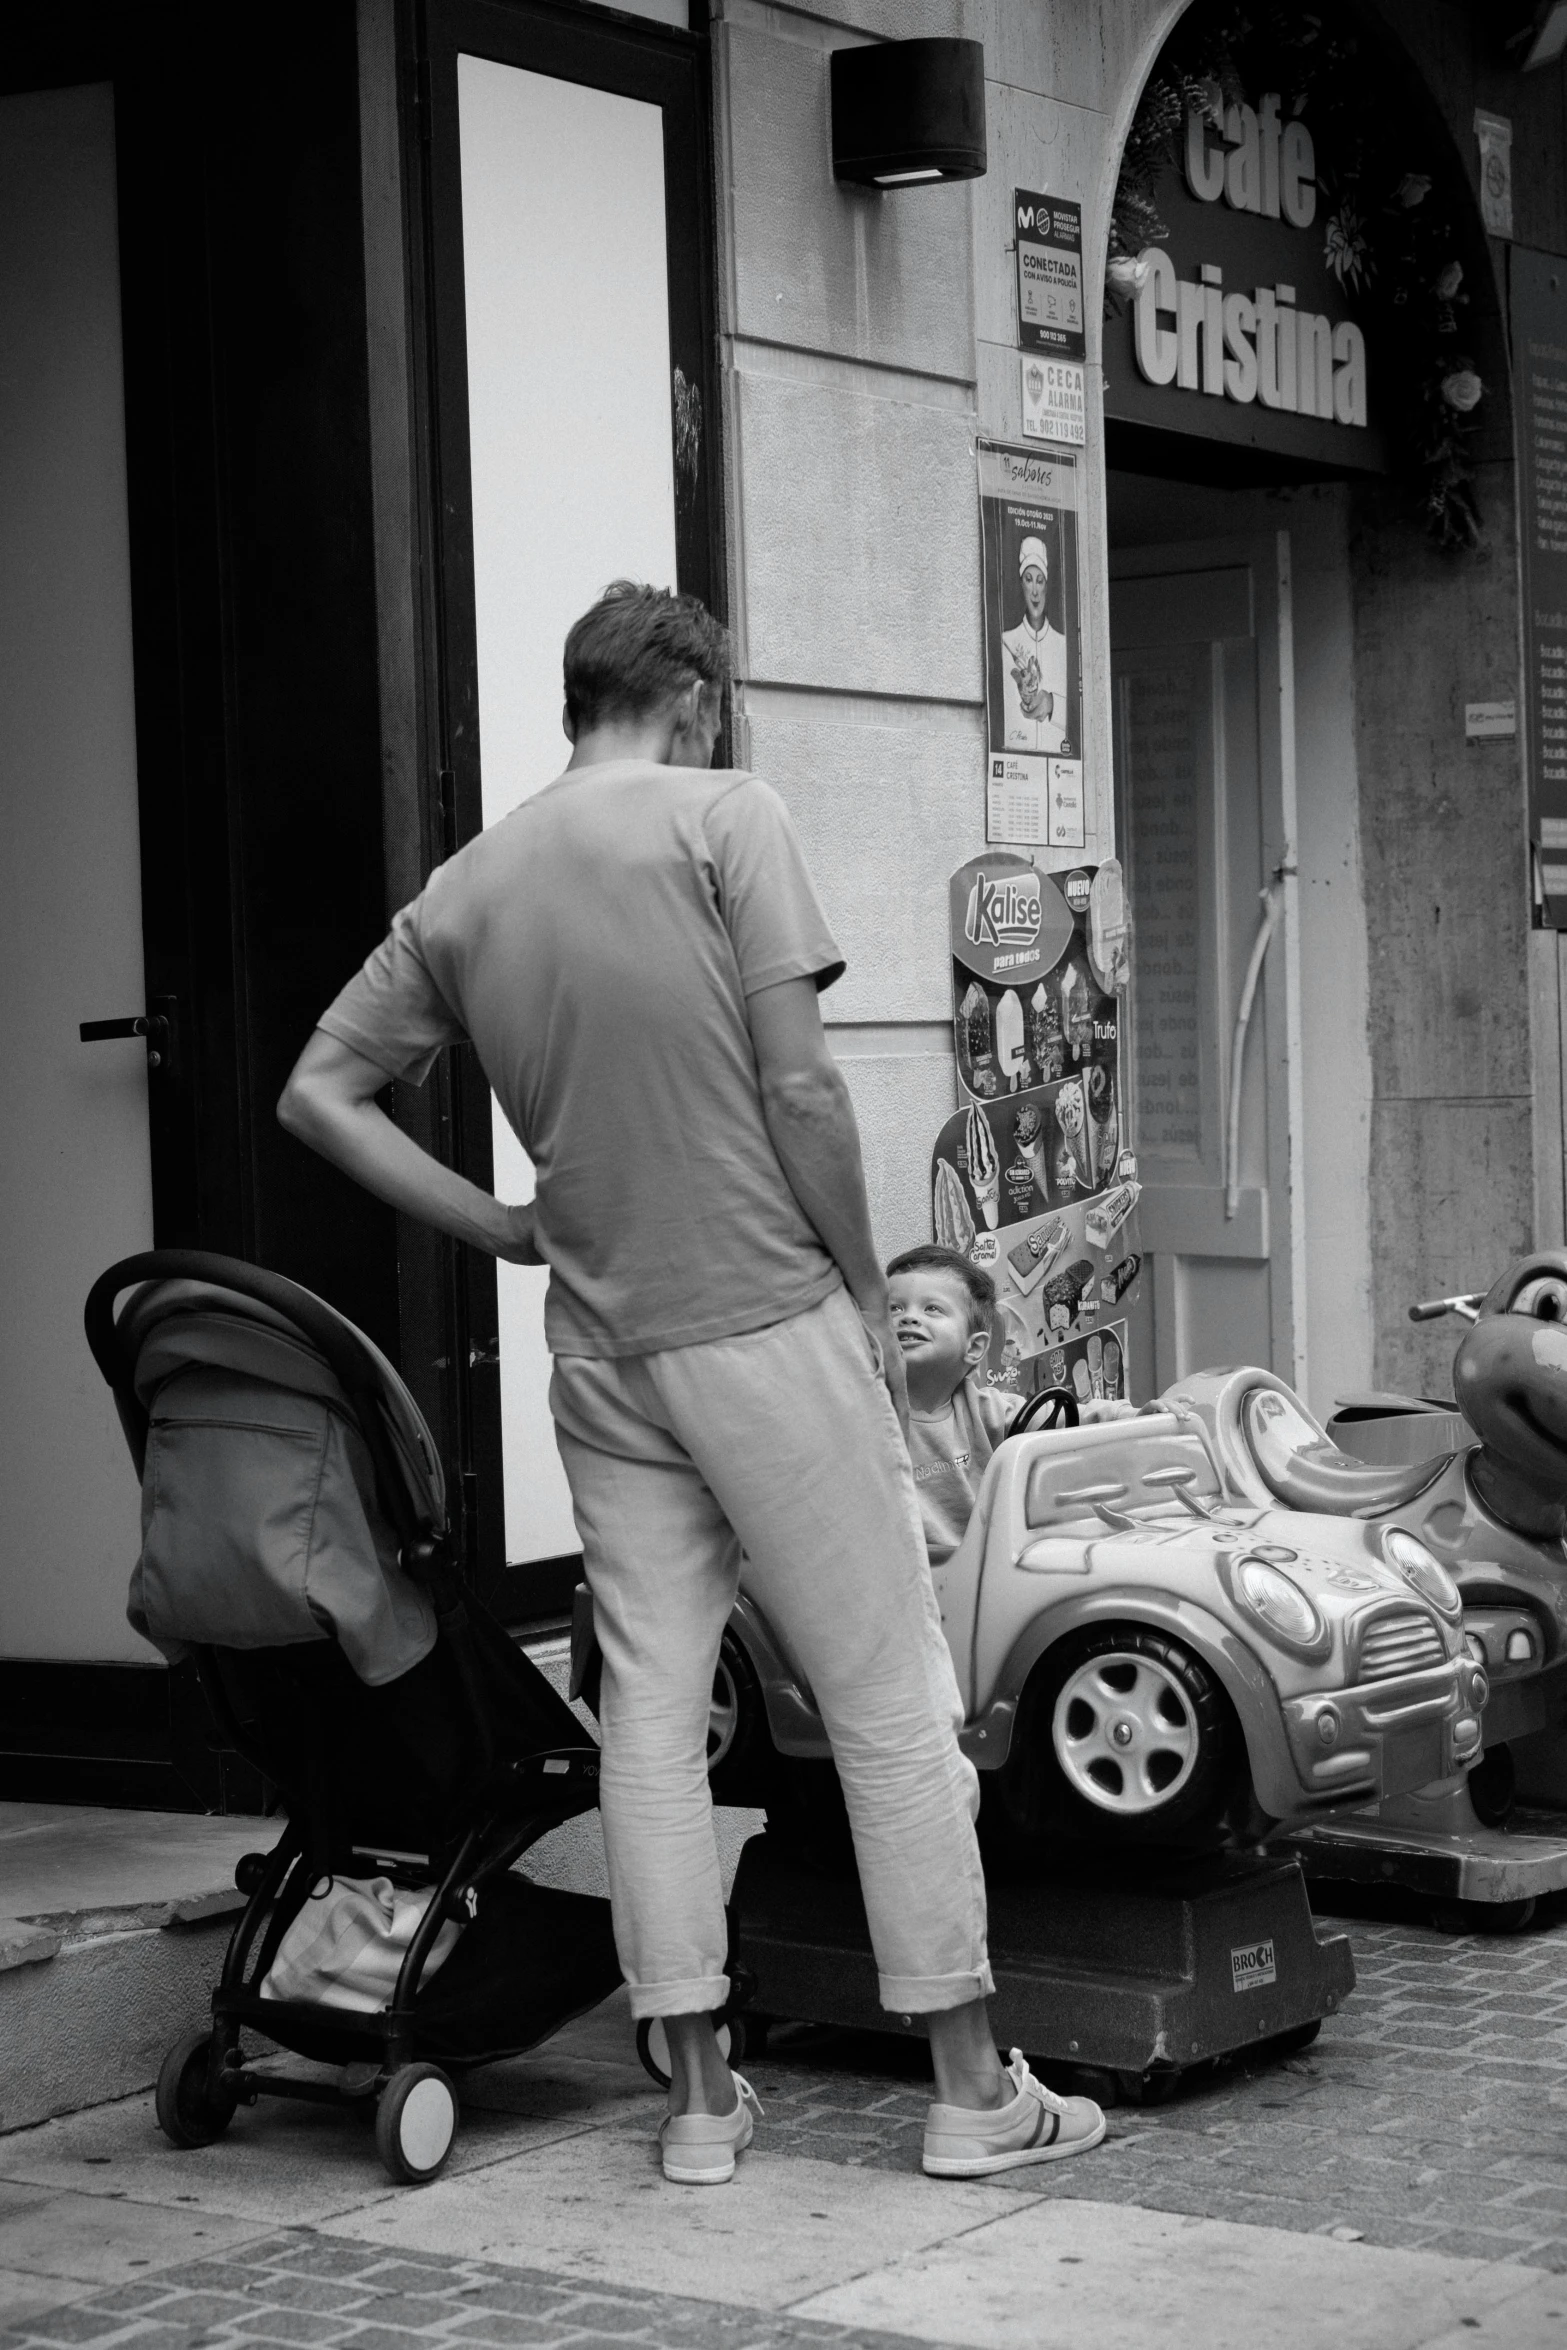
{"x": 950, "y": 1450}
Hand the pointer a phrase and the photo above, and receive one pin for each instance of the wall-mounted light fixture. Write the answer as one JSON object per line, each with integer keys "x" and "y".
{"x": 908, "y": 114}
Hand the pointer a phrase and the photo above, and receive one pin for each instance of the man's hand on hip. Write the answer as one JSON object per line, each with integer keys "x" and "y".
{"x": 517, "y": 1244}
{"x": 329, "y": 1103}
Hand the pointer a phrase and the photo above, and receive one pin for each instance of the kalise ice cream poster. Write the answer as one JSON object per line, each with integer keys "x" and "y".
{"x": 1034, "y": 1180}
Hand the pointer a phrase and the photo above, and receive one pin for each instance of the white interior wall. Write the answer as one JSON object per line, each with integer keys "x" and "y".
{"x": 75, "y": 1181}
{"x": 573, "y": 486}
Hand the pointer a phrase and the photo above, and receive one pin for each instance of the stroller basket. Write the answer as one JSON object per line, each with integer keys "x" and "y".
{"x": 296, "y": 1547}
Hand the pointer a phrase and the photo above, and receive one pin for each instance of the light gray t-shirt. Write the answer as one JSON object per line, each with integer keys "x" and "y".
{"x": 951, "y": 1450}
{"x": 597, "y": 946}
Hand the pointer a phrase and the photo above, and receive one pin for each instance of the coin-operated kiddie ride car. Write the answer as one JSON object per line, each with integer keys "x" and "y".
{"x": 1155, "y": 1674}
{"x": 1481, "y": 1528}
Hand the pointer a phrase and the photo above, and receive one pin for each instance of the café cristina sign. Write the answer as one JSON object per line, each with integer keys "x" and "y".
{"x": 1243, "y": 307}
{"x": 1256, "y": 346}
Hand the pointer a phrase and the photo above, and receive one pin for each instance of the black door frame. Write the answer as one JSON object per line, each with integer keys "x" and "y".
{"x": 135, "y": 1733}
{"x": 257, "y": 744}
{"x": 603, "y": 49}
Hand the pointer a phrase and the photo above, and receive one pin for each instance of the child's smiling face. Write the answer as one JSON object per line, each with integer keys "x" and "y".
{"x": 932, "y": 1318}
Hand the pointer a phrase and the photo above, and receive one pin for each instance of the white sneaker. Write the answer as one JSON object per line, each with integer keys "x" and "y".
{"x": 1034, "y": 2126}
{"x": 700, "y": 2148}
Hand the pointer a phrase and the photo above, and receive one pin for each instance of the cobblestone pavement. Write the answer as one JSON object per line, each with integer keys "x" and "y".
{"x": 303, "y": 2291}
{"x": 1431, "y": 2113}
{"x": 1430, "y": 2117}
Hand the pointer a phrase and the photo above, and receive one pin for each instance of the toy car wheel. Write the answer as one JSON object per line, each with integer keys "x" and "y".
{"x": 188, "y": 2113}
{"x": 1493, "y": 1787}
{"x": 738, "y": 1741}
{"x": 1122, "y": 1736}
{"x": 416, "y": 2123}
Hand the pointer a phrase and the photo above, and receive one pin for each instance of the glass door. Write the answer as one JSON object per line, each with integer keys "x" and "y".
{"x": 1203, "y": 670}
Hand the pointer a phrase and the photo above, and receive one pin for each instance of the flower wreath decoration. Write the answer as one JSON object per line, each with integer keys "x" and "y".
{"x": 1390, "y": 230}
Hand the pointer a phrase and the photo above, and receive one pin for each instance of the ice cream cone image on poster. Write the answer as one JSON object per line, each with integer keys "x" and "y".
{"x": 954, "y": 1224}
{"x": 1072, "y": 1118}
{"x": 1093, "y": 1354}
{"x": 1011, "y": 1051}
{"x": 984, "y": 1168}
{"x": 1112, "y": 1369}
{"x": 1082, "y": 1385}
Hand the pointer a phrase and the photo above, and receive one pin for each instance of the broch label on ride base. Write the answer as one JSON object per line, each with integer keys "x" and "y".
{"x": 1252, "y": 1966}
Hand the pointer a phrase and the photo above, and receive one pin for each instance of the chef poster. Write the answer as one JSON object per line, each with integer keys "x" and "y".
{"x": 1033, "y": 672}
{"x": 1034, "y": 1180}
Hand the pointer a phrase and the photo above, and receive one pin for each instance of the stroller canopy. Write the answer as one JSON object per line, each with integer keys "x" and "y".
{"x": 259, "y": 1419}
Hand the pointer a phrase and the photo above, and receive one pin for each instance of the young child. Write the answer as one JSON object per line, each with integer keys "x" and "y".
{"x": 942, "y": 1312}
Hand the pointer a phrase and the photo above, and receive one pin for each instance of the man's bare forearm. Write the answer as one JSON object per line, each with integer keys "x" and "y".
{"x": 810, "y": 1120}
{"x": 326, "y": 1105}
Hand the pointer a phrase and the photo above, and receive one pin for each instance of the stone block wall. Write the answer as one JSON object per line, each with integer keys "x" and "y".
{"x": 867, "y": 339}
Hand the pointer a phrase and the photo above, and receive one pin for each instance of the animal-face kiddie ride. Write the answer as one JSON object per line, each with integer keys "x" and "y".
{"x": 1492, "y": 1513}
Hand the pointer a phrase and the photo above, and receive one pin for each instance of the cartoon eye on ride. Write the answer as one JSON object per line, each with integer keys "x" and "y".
{"x": 1545, "y": 1298}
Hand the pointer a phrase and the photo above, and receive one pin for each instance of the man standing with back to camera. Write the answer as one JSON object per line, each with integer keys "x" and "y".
{"x": 636, "y": 953}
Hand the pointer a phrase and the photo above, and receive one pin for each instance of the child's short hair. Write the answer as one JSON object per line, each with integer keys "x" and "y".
{"x": 931, "y": 1257}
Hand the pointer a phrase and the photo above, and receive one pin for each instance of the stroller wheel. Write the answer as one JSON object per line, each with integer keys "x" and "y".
{"x": 188, "y": 2114}
{"x": 415, "y": 2123}
{"x": 653, "y": 2047}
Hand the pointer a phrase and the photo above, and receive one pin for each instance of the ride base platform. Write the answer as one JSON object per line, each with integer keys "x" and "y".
{"x": 1141, "y": 1969}
{"x": 1498, "y": 1869}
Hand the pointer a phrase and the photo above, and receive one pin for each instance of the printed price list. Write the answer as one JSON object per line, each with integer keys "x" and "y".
{"x": 1163, "y": 709}
{"x": 1539, "y": 319}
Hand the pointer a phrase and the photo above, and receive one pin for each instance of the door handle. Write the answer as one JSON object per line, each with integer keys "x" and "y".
{"x": 156, "y": 1026}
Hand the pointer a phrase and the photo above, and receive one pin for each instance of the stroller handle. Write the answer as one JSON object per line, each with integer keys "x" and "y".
{"x": 423, "y": 1544}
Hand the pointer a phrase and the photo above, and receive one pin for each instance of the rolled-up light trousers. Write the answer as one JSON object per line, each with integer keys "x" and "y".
{"x": 781, "y": 1443}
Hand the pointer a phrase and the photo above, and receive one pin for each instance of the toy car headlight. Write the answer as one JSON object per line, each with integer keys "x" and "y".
{"x": 1410, "y": 1558}
{"x": 1278, "y": 1603}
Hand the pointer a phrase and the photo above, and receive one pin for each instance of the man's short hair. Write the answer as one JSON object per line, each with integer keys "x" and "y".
{"x": 636, "y": 649}
{"x": 932, "y": 1257}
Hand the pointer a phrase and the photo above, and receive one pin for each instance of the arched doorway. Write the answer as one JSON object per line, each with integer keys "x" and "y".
{"x": 1310, "y": 544}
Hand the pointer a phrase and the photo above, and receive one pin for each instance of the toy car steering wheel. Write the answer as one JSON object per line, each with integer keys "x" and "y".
{"x": 1052, "y": 1407}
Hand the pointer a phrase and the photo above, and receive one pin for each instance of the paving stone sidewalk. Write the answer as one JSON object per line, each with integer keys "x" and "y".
{"x": 1432, "y": 2113}
{"x": 306, "y": 2291}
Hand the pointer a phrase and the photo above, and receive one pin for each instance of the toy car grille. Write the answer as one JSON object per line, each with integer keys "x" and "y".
{"x": 1403, "y": 1642}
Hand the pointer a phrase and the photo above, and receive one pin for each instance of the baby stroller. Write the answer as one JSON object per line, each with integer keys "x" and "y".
{"x": 295, "y": 1546}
